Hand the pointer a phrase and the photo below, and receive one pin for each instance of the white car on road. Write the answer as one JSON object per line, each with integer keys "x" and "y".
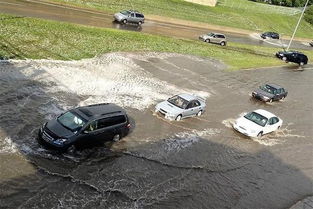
{"x": 257, "y": 123}
{"x": 181, "y": 106}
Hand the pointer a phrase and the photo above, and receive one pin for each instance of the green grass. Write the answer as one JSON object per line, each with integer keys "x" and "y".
{"x": 42, "y": 39}
{"x": 242, "y": 14}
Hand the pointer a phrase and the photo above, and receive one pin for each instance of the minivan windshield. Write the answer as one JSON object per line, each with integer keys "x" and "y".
{"x": 125, "y": 13}
{"x": 71, "y": 121}
{"x": 256, "y": 118}
{"x": 178, "y": 102}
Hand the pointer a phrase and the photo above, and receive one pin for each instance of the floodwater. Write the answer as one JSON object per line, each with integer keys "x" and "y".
{"x": 196, "y": 163}
{"x": 55, "y": 11}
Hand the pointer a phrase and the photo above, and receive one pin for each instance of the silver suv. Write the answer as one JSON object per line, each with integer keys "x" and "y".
{"x": 217, "y": 38}
{"x": 129, "y": 16}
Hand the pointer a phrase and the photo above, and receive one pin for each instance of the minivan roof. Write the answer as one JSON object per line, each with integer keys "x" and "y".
{"x": 96, "y": 110}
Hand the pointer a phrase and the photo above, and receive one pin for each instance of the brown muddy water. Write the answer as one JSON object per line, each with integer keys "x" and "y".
{"x": 196, "y": 163}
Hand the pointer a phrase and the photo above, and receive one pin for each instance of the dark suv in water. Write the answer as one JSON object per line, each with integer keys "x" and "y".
{"x": 293, "y": 56}
{"x": 272, "y": 35}
{"x": 270, "y": 92}
{"x": 85, "y": 126}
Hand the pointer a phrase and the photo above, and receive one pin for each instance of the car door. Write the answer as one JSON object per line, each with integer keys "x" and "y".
{"x": 132, "y": 18}
{"x": 191, "y": 109}
{"x": 277, "y": 94}
{"x": 214, "y": 39}
{"x": 272, "y": 125}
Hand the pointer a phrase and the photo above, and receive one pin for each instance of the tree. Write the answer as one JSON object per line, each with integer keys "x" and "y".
{"x": 308, "y": 15}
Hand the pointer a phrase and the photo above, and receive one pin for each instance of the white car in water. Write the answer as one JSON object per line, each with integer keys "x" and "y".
{"x": 181, "y": 106}
{"x": 257, "y": 123}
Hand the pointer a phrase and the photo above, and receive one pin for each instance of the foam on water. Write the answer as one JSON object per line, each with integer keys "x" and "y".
{"x": 8, "y": 146}
{"x": 115, "y": 78}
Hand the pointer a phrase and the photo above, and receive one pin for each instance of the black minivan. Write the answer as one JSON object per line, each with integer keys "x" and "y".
{"x": 84, "y": 126}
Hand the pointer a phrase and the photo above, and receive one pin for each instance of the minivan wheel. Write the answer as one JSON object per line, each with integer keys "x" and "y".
{"x": 124, "y": 21}
{"x": 223, "y": 43}
{"x": 207, "y": 40}
{"x": 116, "y": 137}
{"x": 270, "y": 101}
{"x": 284, "y": 58}
{"x": 301, "y": 63}
{"x": 178, "y": 118}
{"x": 139, "y": 23}
{"x": 260, "y": 134}
{"x": 199, "y": 113}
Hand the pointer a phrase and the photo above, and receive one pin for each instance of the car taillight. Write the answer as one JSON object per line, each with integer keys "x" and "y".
{"x": 128, "y": 125}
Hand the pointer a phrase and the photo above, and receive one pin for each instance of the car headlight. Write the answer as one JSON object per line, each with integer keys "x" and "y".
{"x": 60, "y": 141}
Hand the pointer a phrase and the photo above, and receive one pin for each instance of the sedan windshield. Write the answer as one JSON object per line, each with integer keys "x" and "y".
{"x": 256, "y": 118}
{"x": 71, "y": 121}
{"x": 268, "y": 89}
{"x": 210, "y": 34}
{"x": 178, "y": 102}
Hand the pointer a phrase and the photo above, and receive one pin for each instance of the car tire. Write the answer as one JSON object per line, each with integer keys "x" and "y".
{"x": 116, "y": 137}
{"x": 260, "y": 135}
{"x": 301, "y": 63}
{"x": 284, "y": 58}
{"x": 270, "y": 101}
{"x": 199, "y": 113}
{"x": 223, "y": 43}
{"x": 178, "y": 118}
{"x": 283, "y": 98}
{"x": 207, "y": 40}
{"x": 124, "y": 21}
{"x": 278, "y": 127}
{"x": 139, "y": 23}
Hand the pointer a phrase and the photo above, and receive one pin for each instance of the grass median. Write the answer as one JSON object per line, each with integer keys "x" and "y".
{"x": 23, "y": 37}
{"x": 241, "y": 14}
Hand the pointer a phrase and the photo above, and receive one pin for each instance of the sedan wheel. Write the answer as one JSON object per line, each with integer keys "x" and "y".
{"x": 178, "y": 118}
{"x": 270, "y": 101}
{"x": 116, "y": 138}
{"x": 139, "y": 23}
{"x": 260, "y": 134}
{"x": 301, "y": 63}
{"x": 223, "y": 43}
{"x": 124, "y": 21}
{"x": 199, "y": 113}
{"x": 207, "y": 40}
{"x": 284, "y": 58}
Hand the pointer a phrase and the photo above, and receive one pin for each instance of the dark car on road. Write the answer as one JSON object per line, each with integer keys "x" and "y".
{"x": 129, "y": 16}
{"x": 272, "y": 35}
{"x": 84, "y": 126}
{"x": 293, "y": 56}
{"x": 270, "y": 93}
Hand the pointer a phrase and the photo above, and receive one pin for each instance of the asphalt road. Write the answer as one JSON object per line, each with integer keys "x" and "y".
{"x": 54, "y": 11}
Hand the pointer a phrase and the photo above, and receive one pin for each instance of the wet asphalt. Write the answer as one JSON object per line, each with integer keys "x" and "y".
{"x": 195, "y": 163}
{"x": 54, "y": 11}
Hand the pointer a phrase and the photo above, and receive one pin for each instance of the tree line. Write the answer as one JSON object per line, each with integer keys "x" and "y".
{"x": 286, "y": 3}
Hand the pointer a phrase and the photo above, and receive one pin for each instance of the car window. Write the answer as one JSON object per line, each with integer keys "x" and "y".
{"x": 92, "y": 126}
{"x": 282, "y": 90}
{"x": 111, "y": 121}
{"x": 196, "y": 103}
{"x": 273, "y": 120}
{"x": 132, "y": 15}
{"x": 139, "y": 15}
{"x": 190, "y": 105}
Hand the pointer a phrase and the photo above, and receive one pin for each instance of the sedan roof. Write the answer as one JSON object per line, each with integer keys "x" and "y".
{"x": 188, "y": 97}
{"x": 265, "y": 113}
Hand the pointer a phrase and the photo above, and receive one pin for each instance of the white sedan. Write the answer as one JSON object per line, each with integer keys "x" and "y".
{"x": 257, "y": 123}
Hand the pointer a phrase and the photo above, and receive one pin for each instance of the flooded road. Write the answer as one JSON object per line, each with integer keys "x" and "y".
{"x": 196, "y": 163}
{"x": 58, "y": 12}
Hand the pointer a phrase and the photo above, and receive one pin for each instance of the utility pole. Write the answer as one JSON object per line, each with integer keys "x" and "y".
{"x": 294, "y": 32}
